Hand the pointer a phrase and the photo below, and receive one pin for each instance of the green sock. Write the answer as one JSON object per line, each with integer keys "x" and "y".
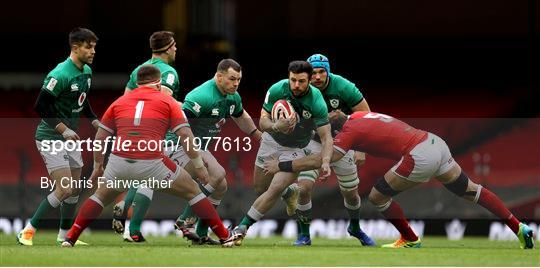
{"x": 187, "y": 213}
{"x": 287, "y": 192}
{"x": 67, "y": 215}
{"x": 201, "y": 229}
{"x": 247, "y": 221}
{"x": 304, "y": 220}
{"x": 128, "y": 200}
{"x": 354, "y": 222}
{"x": 140, "y": 205}
{"x": 44, "y": 208}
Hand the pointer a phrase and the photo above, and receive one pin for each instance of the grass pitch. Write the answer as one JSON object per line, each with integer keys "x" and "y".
{"x": 108, "y": 249}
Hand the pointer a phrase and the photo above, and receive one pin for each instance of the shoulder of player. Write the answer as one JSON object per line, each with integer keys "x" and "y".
{"x": 341, "y": 82}
{"x": 279, "y": 86}
{"x": 202, "y": 90}
{"x": 87, "y": 69}
{"x": 60, "y": 73}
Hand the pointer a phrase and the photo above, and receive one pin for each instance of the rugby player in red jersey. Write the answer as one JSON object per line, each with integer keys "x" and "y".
{"x": 143, "y": 117}
{"x": 421, "y": 155}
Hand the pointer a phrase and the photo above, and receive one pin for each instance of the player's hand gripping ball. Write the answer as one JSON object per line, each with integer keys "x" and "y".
{"x": 283, "y": 109}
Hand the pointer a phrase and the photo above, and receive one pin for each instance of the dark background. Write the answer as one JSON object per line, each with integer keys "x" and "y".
{"x": 398, "y": 52}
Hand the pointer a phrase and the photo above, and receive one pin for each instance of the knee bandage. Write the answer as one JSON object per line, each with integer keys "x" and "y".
{"x": 348, "y": 182}
{"x": 311, "y": 175}
{"x": 459, "y": 186}
{"x": 384, "y": 188}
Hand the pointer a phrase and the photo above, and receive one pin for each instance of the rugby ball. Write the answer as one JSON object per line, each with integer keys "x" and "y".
{"x": 282, "y": 109}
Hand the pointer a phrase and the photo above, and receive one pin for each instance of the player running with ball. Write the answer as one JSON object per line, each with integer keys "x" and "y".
{"x": 421, "y": 155}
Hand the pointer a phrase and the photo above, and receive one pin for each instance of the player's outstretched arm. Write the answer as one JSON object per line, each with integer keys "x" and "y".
{"x": 246, "y": 124}
{"x": 310, "y": 162}
{"x": 326, "y": 152}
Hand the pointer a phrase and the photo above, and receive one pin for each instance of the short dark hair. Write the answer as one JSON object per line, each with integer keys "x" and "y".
{"x": 148, "y": 73}
{"x": 300, "y": 66}
{"x": 225, "y": 64}
{"x": 161, "y": 41}
{"x": 80, "y": 35}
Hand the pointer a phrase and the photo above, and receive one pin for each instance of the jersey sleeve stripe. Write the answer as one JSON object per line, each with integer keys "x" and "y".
{"x": 101, "y": 125}
{"x": 179, "y": 127}
{"x": 361, "y": 99}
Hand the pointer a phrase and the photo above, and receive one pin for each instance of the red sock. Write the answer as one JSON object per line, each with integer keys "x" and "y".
{"x": 206, "y": 212}
{"x": 493, "y": 203}
{"x": 394, "y": 214}
{"x": 88, "y": 212}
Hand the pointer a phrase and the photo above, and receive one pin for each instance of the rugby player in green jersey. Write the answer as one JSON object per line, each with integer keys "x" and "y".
{"x": 163, "y": 48}
{"x": 207, "y": 107}
{"x": 341, "y": 97}
{"x": 63, "y": 97}
{"x": 286, "y": 139}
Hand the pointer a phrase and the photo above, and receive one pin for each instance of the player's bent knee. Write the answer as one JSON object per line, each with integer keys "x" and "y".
{"x": 384, "y": 188}
{"x": 146, "y": 192}
{"x": 459, "y": 185}
{"x": 310, "y": 175}
{"x": 348, "y": 182}
{"x": 222, "y": 186}
{"x": 305, "y": 190}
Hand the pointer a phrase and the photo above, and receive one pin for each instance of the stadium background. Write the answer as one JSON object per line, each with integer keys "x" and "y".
{"x": 461, "y": 69}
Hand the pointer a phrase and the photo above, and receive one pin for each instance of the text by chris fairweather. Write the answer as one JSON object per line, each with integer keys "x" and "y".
{"x": 116, "y": 183}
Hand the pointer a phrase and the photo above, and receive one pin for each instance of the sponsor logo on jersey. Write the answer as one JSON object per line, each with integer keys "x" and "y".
{"x": 220, "y": 123}
{"x": 306, "y": 114}
{"x": 74, "y": 87}
{"x": 215, "y": 112}
{"x": 170, "y": 79}
{"x": 52, "y": 83}
{"x": 82, "y": 97}
{"x": 232, "y": 109}
{"x": 334, "y": 103}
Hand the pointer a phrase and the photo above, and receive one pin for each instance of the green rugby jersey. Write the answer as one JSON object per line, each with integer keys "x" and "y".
{"x": 341, "y": 94}
{"x": 211, "y": 108}
{"x": 70, "y": 86}
{"x": 169, "y": 78}
{"x": 311, "y": 109}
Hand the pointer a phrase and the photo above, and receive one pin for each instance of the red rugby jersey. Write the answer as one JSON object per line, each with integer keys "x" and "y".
{"x": 142, "y": 117}
{"x": 378, "y": 135}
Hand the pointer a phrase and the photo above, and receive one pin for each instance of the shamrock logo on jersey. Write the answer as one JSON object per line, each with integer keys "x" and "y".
{"x": 334, "y": 103}
{"x": 306, "y": 114}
